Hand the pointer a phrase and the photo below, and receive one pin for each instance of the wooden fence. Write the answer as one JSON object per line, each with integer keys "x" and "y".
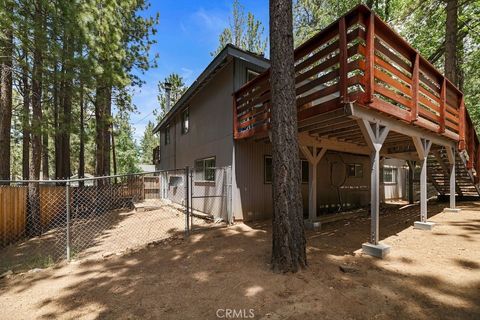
{"x": 84, "y": 201}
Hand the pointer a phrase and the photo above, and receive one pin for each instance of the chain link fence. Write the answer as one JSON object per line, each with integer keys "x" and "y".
{"x": 44, "y": 222}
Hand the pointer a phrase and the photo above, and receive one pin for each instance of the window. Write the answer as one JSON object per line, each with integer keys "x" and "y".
{"x": 389, "y": 175}
{"x": 355, "y": 170}
{"x": 167, "y": 135}
{"x": 205, "y": 169}
{"x": 251, "y": 75}
{"x": 185, "y": 121}
{"x": 268, "y": 170}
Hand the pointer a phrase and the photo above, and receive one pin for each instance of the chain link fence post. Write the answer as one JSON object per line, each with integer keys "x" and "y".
{"x": 229, "y": 195}
{"x": 67, "y": 202}
{"x": 187, "y": 203}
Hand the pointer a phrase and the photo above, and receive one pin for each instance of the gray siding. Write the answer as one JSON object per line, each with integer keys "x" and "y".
{"x": 241, "y": 67}
{"x": 210, "y": 127}
{"x": 252, "y": 198}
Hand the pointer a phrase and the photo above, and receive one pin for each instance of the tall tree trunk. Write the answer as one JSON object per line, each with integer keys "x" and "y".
{"x": 6, "y": 52}
{"x": 33, "y": 215}
{"x": 25, "y": 119}
{"x": 114, "y": 155}
{"x": 45, "y": 158}
{"x": 81, "y": 154}
{"x": 57, "y": 122}
{"x": 451, "y": 36}
{"x": 102, "y": 136}
{"x": 67, "y": 105}
{"x": 288, "y": 249}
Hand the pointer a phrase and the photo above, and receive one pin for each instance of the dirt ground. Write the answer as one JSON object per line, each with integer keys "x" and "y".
{"x": 428, "y": 275}
{"x": 97, "y": 236}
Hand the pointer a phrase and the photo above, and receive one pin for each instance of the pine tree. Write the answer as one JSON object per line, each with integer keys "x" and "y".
{"x": 177, "y": 89}
{"x": 148, "y": 143}
{"x": 289, "y": 244}
{"x": 245, "y": 33}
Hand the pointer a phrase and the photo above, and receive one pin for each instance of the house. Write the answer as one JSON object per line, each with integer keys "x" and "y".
{"x": 373, "y": 116}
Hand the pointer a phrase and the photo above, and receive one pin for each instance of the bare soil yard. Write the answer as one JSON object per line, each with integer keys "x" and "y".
{"x": 96, "y": 236}
{"x": 429, "y": 275}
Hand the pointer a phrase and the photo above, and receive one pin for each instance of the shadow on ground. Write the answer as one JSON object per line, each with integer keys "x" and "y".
{"x": 229, "y": 268}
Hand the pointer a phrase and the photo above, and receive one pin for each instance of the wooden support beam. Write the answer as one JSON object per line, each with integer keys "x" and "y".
{"x": 409, "y": 156}
{"x": 343, "y": 59}
{"x": 423, "y": 148}
{"x": 332, "y": 144}
{"x": 359, "y": 112}
{"x": 443, "y": 105}
{"x": 411, "y": 177}
{"x": 374, "y": 134}
{"x": 452, "y": 161}
{"x": 415, "y": 88}
{"x": 314, "y": 156}
{"x": 370, "y": 60}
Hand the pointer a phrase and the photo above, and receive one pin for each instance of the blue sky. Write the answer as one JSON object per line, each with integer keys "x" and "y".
{"x": 187, "y": 33}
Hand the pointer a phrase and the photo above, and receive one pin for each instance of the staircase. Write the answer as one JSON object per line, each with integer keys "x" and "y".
{"x": 439, "y": 174}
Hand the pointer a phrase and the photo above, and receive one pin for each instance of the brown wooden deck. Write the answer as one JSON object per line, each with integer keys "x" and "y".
{"x": 360, "y": 60}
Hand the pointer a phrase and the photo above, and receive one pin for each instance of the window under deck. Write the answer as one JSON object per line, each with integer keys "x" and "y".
{"x": 360, "y": 59}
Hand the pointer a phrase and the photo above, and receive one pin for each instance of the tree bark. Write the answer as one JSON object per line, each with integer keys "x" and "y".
{"x": 6, "y": 52}
{"x": 114, "y": 155}
{"x": 64, "y": 110}
{"x": 33, "y": 214}
{"x": 45, "y": 158}
{"x": 81, "y": 153}
{"x": 102, "y": 128}
{"x": 451, "y": 36}
{"x": 288, "y": 248}
{"x": 25, "y": 119}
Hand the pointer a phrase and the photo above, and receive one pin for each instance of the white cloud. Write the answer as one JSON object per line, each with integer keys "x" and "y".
{"x": 212, "y": 20}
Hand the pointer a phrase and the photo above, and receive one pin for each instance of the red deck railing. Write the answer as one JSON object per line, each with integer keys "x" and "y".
{"x": 359, "y": 58}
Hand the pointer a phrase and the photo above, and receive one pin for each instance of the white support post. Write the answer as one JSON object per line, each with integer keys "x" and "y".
{"x": 374, "y": 134}
{"x": 312, "y": 191}
{"x": 423, "y": 148}
{"x": 451, "y": 160}
{"x": 313, "y": 158}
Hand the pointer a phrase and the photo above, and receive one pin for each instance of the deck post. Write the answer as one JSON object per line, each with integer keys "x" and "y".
{"x": 375, "y": 135}
{"x": 312, "y": 190}
{"x": 411, "y": 177}
{"x": 423, "y": 148}
{"x": 313, "y": 158}
{"x": 451, "y": 160}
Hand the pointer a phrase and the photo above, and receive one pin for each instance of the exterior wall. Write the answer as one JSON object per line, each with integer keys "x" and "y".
{"x": 210, "y": 134}
{"x": 240, "y": 76}
{"x": 210, "y": 127}
{"x": 252, "y": 197}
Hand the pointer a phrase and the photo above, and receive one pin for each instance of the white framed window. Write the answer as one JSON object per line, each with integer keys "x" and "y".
{"x": 355, "y": 170}
{"x": 185, "y": 121}
{"x": 390, "y": 175}
{"x": 268, "y": 170}
{"x": 205, "y": 169}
